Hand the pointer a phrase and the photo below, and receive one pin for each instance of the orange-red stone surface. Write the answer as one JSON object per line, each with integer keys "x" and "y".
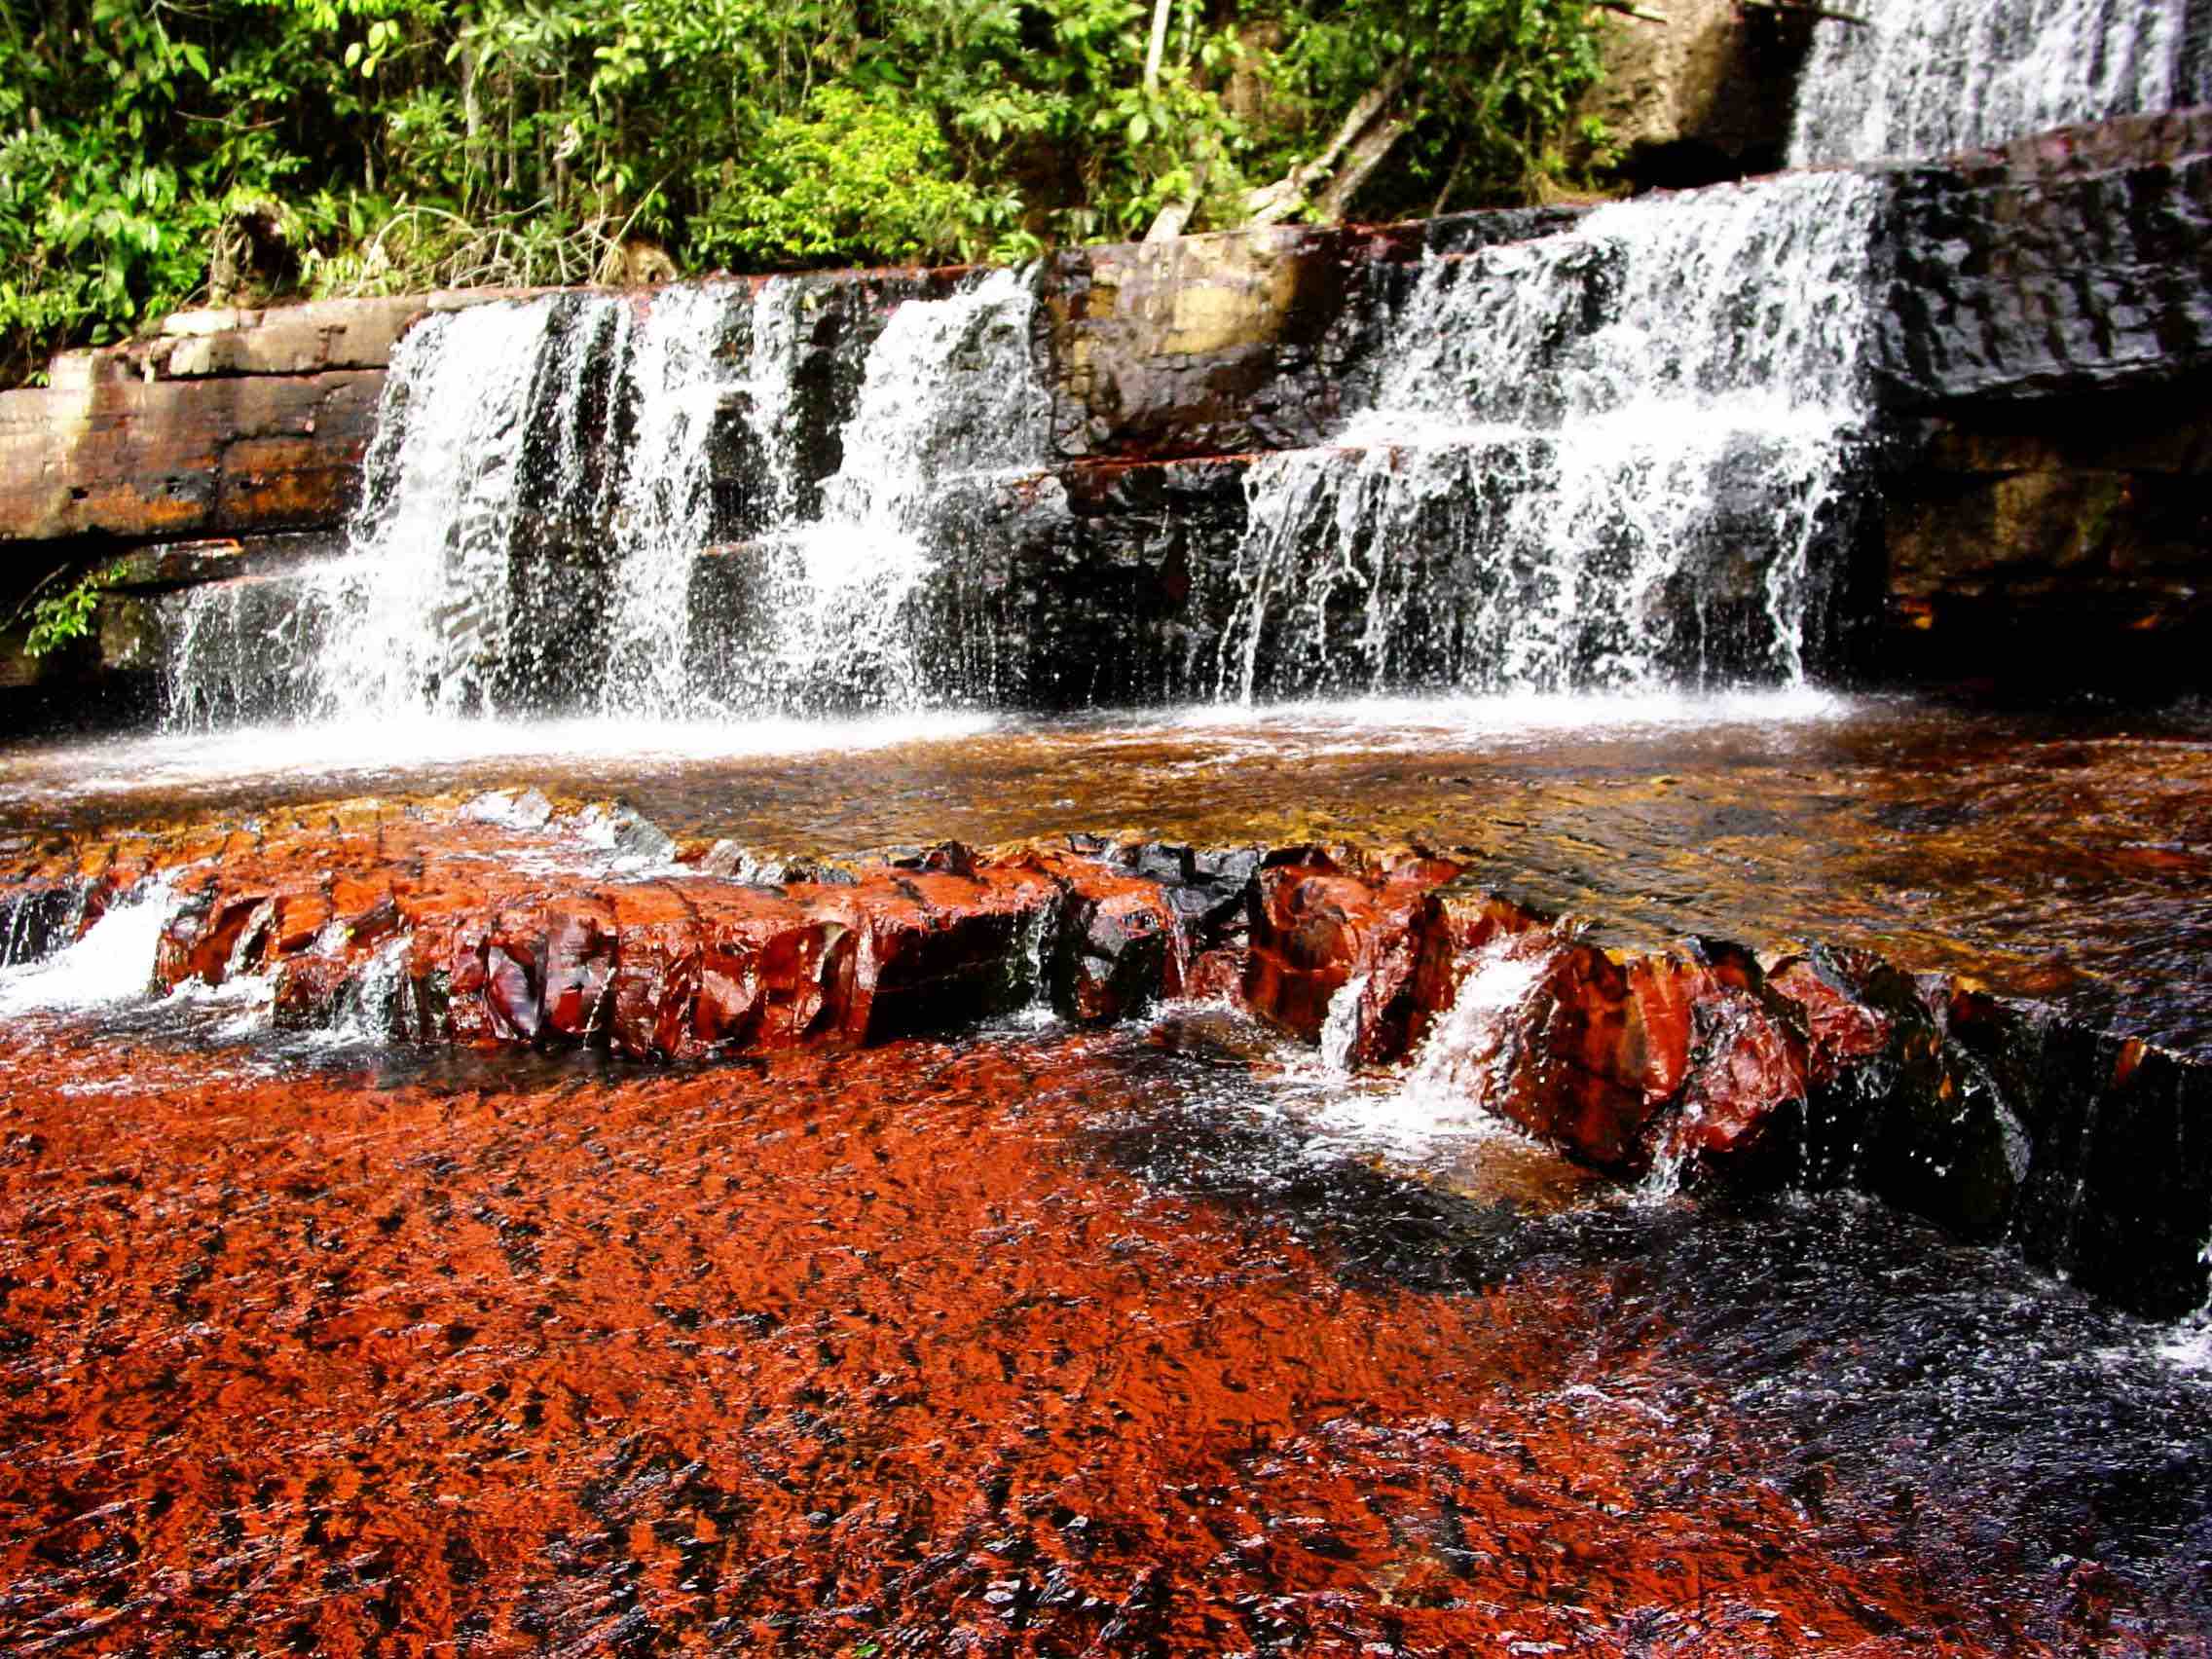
{"x": 530, "y": 935}
{"x": 528, "y": 932}
{"x": 865, "y": 1355}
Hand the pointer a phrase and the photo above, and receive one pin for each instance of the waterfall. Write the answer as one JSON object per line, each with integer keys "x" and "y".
{"x": 483, "y": 445}
{"x": 1933, "y": 76}
{"x": 950, "y": 406}
{"x": 112, "y": 962}
{"x": 1600, "y": 460}
{"x": 771, "y": 383}
{"x": 681, "y": 378}
{"x": 547, "y": 474}
{"x": 486, "y": 466}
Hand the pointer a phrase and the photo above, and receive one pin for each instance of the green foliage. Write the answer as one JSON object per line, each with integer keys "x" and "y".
{"x": 156, "y": 152}
{"x": 852, "y": 178}
{"x": 59, "y": 617}
{"x": 1494, "y": 80}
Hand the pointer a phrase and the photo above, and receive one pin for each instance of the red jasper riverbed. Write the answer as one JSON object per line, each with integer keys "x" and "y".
{"x": 328, "y": 1333}
{"x": 1025, "y": 1344}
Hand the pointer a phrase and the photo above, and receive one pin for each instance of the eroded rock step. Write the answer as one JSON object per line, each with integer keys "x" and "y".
{"x": 507, "y": 921}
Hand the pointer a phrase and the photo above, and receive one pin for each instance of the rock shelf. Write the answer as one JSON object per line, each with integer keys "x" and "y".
{"x": 507, "y": 922}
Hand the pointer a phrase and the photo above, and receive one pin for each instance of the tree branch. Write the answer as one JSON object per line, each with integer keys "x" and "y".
{"x": 1275, "y": 203}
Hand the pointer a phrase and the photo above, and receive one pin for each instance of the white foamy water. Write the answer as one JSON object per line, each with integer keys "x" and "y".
{"x": 1443, "y": 1102}
{"x": 1458, "y": 1078}
{"x": 951, "y": 402}
{"x": 2189, "y": 1344}
{"x": 405, "y": 751}
{"x": 1606, "y": 459}
{"x": 1934, "y": 76}
{"x": 1513, "y": 715}
{"x": 420, "y": 609}
{"x": 680, "y": 383}
{"x": 112, "y": 963}
{"x": 546, "y": 476}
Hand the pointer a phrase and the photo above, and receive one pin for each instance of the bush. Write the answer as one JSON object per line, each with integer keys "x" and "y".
{"x": 398, "y": 143}
{"x": 852, "y": 178}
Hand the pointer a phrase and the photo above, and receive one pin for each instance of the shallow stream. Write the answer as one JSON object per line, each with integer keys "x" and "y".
{"x": 1170, "y": 1339}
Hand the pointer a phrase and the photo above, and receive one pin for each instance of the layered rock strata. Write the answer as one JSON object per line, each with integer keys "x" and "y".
{"x": 2046, "y": 353}
{"x": 505, "y": 924}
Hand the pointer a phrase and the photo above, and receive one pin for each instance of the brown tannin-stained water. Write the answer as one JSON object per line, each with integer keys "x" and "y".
{"x": 1038, "y": 1343}
{"x": 2061, "y": 857}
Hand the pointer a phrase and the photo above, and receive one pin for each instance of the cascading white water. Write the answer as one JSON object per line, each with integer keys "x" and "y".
{"x": 949, "y": 406}
{"x": 1453, "y": 1090}
{"x": 1576, "y": 444}
{"x": 113, "y": 962}
{"x": 526, "y": 451}
{"x": 680, "y": 380}
{"x": 421, "y": 608}
{"x": 482, "y": 424}
{"x": 778, "y": 322}
{"x": 1933, "y": 76}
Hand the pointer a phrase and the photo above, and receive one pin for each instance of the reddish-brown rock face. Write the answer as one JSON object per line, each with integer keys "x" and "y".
{"x": 1617, "y": 1052}
{"x": 1842, "y": 1031}
{"x": 429, "y": 924}
{"x": 667, "y": 964}
{"x": 1621, "y": 1058}
{"x": 1320, "y": 925}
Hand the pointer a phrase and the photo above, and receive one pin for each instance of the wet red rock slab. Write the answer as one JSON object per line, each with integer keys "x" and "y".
{"x": 1893, "y": 826}
{"x": 506, "y": 922}
{"x": 861, "y": 1354}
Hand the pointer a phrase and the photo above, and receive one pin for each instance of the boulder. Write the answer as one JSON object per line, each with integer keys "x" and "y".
{"x": 1701, "y": 91}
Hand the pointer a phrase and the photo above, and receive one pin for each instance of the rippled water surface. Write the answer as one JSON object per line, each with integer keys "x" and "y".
{"x": 2064, "y": 857}
{"x": 1033, "y": 1344}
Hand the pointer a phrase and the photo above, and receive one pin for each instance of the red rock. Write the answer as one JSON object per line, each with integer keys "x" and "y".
{"x": 1748, "y": 1067}
{"x": 1843, "y": 1030}
{"x": 1456, "y": 921}
{"x": 1320, "y": 927}
{"x": 466, "y": 971}
{"x": 205, "y": 940}
{"x": 1119, "y": 948}
{"x": 513, "y": 953}
{"x": 936, "y": 940}
{"x": 578, "y": 969}
{"x": 656, "y": 977}
{"x": 308, "y": 991}
{"x": 1215, "y": 976}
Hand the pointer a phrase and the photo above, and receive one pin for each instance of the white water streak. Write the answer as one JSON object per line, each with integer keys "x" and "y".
{"x": 951, "y": 402}
{"x": 1576, "y": 438}
{"x": 681, "y": 382}
{"x": 1926, "y": 78}
{"x": 111, "y": 963}
{"x": 421, "y": 604}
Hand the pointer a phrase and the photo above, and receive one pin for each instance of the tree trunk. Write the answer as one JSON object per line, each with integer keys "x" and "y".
{"x": 1368, "y": 134}
{"x": 1373, "y": 148}
{"x": 1158, "y": 47}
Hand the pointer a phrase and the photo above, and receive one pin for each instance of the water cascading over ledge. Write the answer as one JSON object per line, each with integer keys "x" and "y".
{"x": 1618, "y": 457}
{"x": 550, "y": 479}
{"x": 1615, "y": 457}
{"x": 1917, "y": 77}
